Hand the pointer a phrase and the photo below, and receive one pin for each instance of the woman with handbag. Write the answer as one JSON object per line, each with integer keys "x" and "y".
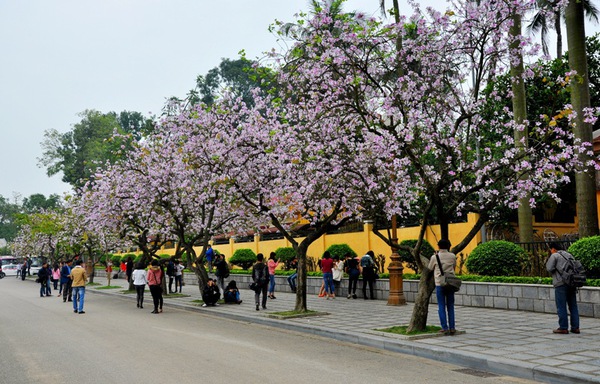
{"x": 443, "y": 263}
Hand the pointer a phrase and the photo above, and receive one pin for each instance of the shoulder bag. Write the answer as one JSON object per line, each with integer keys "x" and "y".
{"x": 449, "y": 280}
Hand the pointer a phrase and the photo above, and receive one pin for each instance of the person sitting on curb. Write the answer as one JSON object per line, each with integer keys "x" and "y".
{"x": 232, "y": 294}
{"x": 210, "y": 293}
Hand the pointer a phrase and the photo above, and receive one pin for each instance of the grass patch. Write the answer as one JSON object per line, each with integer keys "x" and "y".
{"x": 92, "y": 284}
{"x": 295, "y": 314}
{"x": 109, "y": 287}
{"x": 175, "y": 295}
{"x": 128, "y": 291}
{"x": 401, "y": 330}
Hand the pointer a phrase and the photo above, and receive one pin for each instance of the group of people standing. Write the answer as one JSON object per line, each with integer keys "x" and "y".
{"x": 333, "y": 271}
{"x": 72, "y": 281}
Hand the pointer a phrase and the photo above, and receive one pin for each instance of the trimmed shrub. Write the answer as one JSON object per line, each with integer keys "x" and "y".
{"x": 426, "y": 250}
{"x": 286, "y": 255}
{"x": 107, "y": 256}
{"x": 243, "y": 258}
{"x": 340, "y": 250}
{"x": 496, "y": 258}
{"x": 587, "y": 250}
{"x": 116, "y": 261}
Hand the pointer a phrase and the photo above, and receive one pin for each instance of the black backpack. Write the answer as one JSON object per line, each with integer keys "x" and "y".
{"x": 573, "y": 273}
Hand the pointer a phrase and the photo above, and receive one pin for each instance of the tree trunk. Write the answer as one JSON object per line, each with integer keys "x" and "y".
{"x": 520, "y": 115}
{"x": 585, "y": 182}
{"x": 301, "y": 281}
{"x": 558, "y": 30}
{"x": 418, "y": 320}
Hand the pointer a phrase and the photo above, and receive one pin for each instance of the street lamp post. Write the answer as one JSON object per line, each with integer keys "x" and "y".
{"x": 396, "y": 294}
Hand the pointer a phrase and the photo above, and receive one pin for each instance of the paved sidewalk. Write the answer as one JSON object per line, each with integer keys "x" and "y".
{"x": 513, "y": 343}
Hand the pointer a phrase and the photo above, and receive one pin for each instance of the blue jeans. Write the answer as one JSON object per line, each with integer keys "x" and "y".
{"x": 566, "y": 296}
{"x": 292, "y": 280}
{"x": 78, "y": 297}
{"x": 445, "y": 299}
{"x": 271, "y": 283}
{"x": 328, "y": 281}
{"x": 43, "y": 287}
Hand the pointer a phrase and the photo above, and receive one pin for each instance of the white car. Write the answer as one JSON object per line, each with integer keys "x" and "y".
{"x": 9, "y": 265}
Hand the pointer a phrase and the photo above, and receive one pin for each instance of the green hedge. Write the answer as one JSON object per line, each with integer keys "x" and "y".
{"x": 340, "y": 250}
{"x": 243, "y": 258}
{"x": 496, "y": 258}
{"x": 587, "y": 250}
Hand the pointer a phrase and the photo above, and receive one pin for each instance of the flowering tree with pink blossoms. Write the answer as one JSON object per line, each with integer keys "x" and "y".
{"x": 287, "y": 164}
{"x": 116, "y": 202}
{"x": 181, "y": 184}
{"x": 86, "y": 238}
{"x": 419, "y": 81}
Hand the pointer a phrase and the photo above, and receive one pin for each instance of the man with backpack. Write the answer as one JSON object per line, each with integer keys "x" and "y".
{"x": 260, "y": 276}
{"x": 562, "y": 266}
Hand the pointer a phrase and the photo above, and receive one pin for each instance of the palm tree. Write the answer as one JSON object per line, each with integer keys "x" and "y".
{"x": 540, "y": 21}
{"x": 585, "y": 182}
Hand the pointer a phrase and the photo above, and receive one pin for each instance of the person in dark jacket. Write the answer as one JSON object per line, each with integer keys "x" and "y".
{"x": 564, "y": 295}
{"x": 210, "y": 293}
{"x": 367, "y": 265}
{"x": 222, "y": 271}
{"x": 129, "y": 269}
{"x": 232, "y": 293}
{"x": 66, "y": 281}
{"x": 43, "y": 279}
{"x": 260, "y": 276}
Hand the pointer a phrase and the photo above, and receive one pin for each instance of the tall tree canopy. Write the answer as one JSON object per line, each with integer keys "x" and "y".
{"x": 90, "y": 143}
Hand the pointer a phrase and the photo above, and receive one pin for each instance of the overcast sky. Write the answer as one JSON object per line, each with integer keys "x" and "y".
{"x": 61, "y": 57}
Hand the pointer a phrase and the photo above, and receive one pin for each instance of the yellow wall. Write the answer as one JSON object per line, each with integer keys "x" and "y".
{"x": 360, "y": 242}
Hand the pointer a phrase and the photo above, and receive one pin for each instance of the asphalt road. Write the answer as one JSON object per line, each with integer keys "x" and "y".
{"x": 43, "y": 341}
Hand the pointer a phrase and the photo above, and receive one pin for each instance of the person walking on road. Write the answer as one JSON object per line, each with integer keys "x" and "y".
{"x": 43, "y": 279}
{"x": 445, "y": 297}
{"x": 66, "y": 281}
{"x": 260, "y": 276}
{"x": 154, "y": 278}
{"x": 79, "y": 278}
{"x": 55, "y": 275}
{"x": 564, "y": 295}
{"x": 139, "y": 282}
{"x": 24, "y": 270}
{"x": 48, "y": 279}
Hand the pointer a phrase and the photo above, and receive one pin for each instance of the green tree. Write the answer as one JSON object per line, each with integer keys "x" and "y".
{"x": 90, "y": 144}
{"x": 239, "y": 76}
{"x": 38, "y": 202}
{"x": 8, "y": 225}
